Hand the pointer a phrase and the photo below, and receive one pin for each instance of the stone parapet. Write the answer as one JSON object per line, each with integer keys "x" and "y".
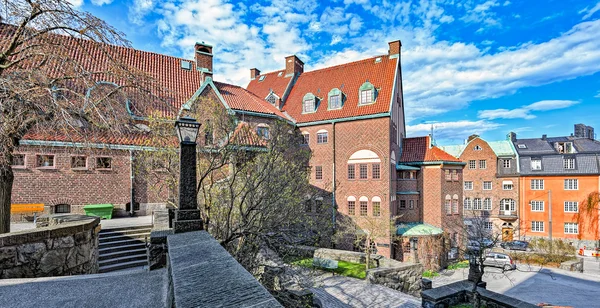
{"x": 67, "y": 246}
{"x": 403, "y": 277}
{"x": 343, "y": 255}
{"x": 460, "y": 292}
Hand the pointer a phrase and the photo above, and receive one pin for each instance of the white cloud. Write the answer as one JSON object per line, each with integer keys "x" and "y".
{"x": 590, "y": 11}
{"x": 75, "y": 3}
{"x": 483, "y": 14}
{"x": 525, "y": 112}
{"x": 139, "y": 9}
{"x": 597, "y": 95}
{"x": 457, "y": 130}
{"x": 101, "y": 2}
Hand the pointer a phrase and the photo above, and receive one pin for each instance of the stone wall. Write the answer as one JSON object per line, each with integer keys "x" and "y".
{"x": 460, "y": 293}
{"x": 67, "y": 246}
{"x": 404, "y": 277}
{"x": 343, "y": 255}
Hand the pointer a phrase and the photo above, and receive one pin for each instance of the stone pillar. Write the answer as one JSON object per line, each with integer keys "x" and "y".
{"x": 187, "y": 217}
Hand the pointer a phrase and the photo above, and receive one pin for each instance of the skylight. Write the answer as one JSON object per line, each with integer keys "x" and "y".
{"x": 261, "y": 78}
{"x": 522, "y": 146}
{"x": 280, "y": 73}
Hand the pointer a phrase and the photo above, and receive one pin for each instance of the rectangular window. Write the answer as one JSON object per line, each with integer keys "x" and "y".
{"x": 263, "y": 131}
{"x": 78, "y": 162}
{"x": 487, "y": 204}
{"x": 569, "y": 163}
{"x": 376, "y": 209}
{"x": 18, "y": 160}
{"x": 487, "y": 185}
{"x": 537, "y": 206}
{"x": 455, "y": 206}
{"x": 571, "y": 228}
{"x": 319, "y": 172}
{"x": 366, "y": 97}
{"x": 411, "y": 204}
{"x": 448, "y": 175}
{"x": 537, "y": 184}
{"x": 308, "y": 105}
{"x": 351, "y": 172}
{"x": 335, "y": 102}
{"x": 305, "y": 139}
{"x": 454, "y": 175}
{"x": 45, "y": 161}
{"x": 468, "y": 185}
{"x": 537, "y": 226}
{"x": 363, "y": 208}
{"x": 507, "y": 186}
{"x": 482, "y": 164}
{"x": 449, "y": 207}
{"x": 506, "y": 163}
{"x": 322, "y": 137}
{"x": 467, "y": 204}
{"x": 477, "y": 204}
{"x": 103, "y": 163}
{"x": 472, "y": 164}
{"x": 351, "y": 208}
{"x": 403, "y": 204}
{"x": 363, "y": 171}
{"x": 571, "y": 206}
{"x": 376, "y": 171}
{"x": 488, "y": 225}
{"x": 571, "y": 184}
{"x": 536, "y": 164}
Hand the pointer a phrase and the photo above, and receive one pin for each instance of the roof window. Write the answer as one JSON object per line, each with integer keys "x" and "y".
{"x": 261, "y": 78}
{"x": 378, "y": 59}
{"x": 367, "y": 94}
{"x": 280, "y": 73}
{"x": 522, "y": 146}
{"x": 336, "y": 99}
{"x": 564, "y": 147}
{"x": 309, "y": 103}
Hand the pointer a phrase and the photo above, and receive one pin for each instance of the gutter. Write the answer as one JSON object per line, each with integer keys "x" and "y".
{"x": 370, "y": 116}
{"x": 333, "y": 206}
{"x": 430, "y": 163}
{"x": 87, "y": 145}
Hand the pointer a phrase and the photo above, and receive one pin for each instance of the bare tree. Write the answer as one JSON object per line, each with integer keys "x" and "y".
{"x": 51, "y": 58}
{"x": 588, "y": 216}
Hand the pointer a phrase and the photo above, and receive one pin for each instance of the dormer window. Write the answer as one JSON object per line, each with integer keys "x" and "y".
{"x": 367, "y": 94}
{"x": 564, "y": 147}
{"x": 272, "y": 98}
{"x": 335, "y": 99}
{"x": 309, "y": 103}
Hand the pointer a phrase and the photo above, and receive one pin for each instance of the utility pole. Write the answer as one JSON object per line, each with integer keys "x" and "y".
{"x": 550, "y": 218}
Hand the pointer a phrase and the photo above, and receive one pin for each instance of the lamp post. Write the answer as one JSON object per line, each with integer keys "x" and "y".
{"x": 187, "y": 216}
{"x": 414, "y": 243}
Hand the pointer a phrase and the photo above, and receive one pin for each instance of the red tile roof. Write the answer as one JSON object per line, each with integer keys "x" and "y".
{"x": 272, "y": 81}
{"x": 239, "y": 98}
{"x": 346, "y": 77}
{"x": 244, "y": 134}
{"x": 417, "y": 150}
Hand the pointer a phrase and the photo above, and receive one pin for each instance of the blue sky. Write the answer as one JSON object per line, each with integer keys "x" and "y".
{"x": 485, "y": 67}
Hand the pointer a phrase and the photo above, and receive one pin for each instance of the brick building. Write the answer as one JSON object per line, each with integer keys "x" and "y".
{"x": 491, "y": 184}
{"x": 557, "y": 174}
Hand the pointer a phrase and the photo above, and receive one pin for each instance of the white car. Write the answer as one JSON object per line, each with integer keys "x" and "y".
{"x": 500, "y": 260}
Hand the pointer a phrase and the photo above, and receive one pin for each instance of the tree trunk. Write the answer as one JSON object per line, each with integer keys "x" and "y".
{"x": 6, "y": 182}
{"x": 368, "y": 253}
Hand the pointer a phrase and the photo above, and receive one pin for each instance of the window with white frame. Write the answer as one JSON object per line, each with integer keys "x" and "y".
{"x": 335, "y": 99}
{"x": 467, "y": 205}
{"x": 487, "y": 185}
{"x": 454, "y": 175}
{"x": 569, "y": 163}
{"x": 537, "y": 226}
{"x": 487, "y": 204}
{"x": 537, "y": 184}
{"x": 472, "y": 164}
{"x": 483, "y": 164}
{"x": 448, "y": 206}
{"x": 488, "y": 225}
{"x": 571, "y": 184}
{"x": 537, "y": 206}
{"x": 507, "y": 185}
{"x": 308, "y": 105}
{"x": 411, "y": 204}
{"x": 366, "y": 97}
{"x": 322, "y": 137}
{"x": 468, "y": 185}
{"x": 448, "y": 175}
{"x": 477, "y": 205}
{"x": 477, "y": 148}
{"x": 45, "y": 161}
{"x": 506, "y": 163}
{"x": 508, "y": 205}
{"x": 571, "y": 206}
{"x": 571, "y": 228}
{"x": 455, "y": 204}
{"x": 536, "y": 164}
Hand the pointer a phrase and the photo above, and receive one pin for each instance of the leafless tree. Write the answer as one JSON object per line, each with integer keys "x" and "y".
{"x": 588, "y": 216}
{"x": 51, "y": 59}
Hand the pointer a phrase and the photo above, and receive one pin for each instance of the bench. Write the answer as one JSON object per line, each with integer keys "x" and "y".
{"x": 325, "y": 263}
{"x": 29, "y": 208}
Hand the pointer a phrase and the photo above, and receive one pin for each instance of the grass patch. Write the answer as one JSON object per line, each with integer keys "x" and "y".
{"x": 461, "y": 264}
{"x": 430, "y": 274}
{"x": 462, "y": 306}
{"x": 348, "y": 269}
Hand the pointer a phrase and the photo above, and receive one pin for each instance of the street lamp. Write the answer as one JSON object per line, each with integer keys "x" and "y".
{"x": 187, "y": 216}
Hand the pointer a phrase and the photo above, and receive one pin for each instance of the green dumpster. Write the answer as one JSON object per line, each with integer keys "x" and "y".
{"x": 102, "y": 210}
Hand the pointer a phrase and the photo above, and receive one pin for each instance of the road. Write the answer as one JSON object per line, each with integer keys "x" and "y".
{"x": 536, "y": 285}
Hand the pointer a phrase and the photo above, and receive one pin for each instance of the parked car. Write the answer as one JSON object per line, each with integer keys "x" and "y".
{"x": 516, "y": 245}
{"x": 500, "y": 260}
{"x": 476, "y": 243}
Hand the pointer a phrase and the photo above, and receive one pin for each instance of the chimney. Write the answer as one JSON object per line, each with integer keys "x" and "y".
{"x": 204, "y": 59}
{"x": 512, "y": 137}
{"x": 584, "y": 131}
{"x": 293, "y": 65}
{"x": 254, "y": 72}
{"x": 394, "y": 48}
{"x": 544, "y": 136}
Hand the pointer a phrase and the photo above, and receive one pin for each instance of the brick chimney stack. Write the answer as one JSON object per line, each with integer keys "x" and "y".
{"x": 204, "y": 59}
{"x": 254, "y": 72}
{"x": 394, "y": 48}
{"x": 583, "y": 131}
{"x": 293, "y": 65}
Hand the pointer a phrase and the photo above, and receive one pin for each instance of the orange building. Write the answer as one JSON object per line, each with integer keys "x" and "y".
{"x": 556, "y": 176}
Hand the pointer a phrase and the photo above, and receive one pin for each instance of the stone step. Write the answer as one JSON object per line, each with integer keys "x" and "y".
{"x": 124, "y": 265}
{"x": 112, "y": 232}
{"x": 108, "y": 229}
{"x": 117, "y": 254}
{"x": 115, "y": 238}
{"x": 127, "y": 247}
{"x": 124, "y": 259}
{"x": 121, "y": 243}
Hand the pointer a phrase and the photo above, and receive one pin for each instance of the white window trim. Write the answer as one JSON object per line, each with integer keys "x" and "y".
{"x": 542, "y": 225}
{"x": 465, "y": 185}
{"x": 570, "y": 205}
{"x": 491, "y": 185}
{"x": 543, "y": 203}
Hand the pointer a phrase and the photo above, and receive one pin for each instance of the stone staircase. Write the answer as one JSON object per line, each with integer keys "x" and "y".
{"x": 122, "y": 248}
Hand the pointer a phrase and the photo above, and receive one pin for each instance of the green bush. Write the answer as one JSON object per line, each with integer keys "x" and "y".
{"x": 347, "y": 269}
{"x": 461, "y": 264}
{"x": 556, "y": 246}
{"x": 430, "y": 274}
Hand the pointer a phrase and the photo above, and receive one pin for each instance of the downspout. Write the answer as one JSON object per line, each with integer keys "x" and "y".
{"x": 132, "y": 201}
{"x": 333, "y": 207}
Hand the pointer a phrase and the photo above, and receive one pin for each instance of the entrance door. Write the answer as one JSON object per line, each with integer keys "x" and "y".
{"x": 507, "y": 234}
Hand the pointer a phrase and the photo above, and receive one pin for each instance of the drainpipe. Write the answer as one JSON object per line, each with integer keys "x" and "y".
{"x": 132, "y": 201}
{"x": 333, "y": 210}
{"x": 550, "y": 218}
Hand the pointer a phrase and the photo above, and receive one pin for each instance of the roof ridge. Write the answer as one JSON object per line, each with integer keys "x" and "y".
{"x": 341, "y": 65}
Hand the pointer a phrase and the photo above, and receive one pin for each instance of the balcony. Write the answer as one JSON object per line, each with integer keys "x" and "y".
{"x": 508, "y": 215}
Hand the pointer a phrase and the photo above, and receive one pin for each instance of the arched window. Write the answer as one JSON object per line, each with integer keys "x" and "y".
{"x": 309, "y": 103}
{"x": 477, "y": 148}
{"x": 455, "y": 204}
{"x": 363, "y": 201}
{"x": 366, "y": 94}
{"x": 467, "y": 205}
{"x": 351, "y": 205}
{"x": 322, "y": 136}
{"x": 507, "y": 205}
{"x": 376, "y": 205}
{"x": 335, "y": 99}
{"x": 448, "y": 204}
{"x": 487, "y": 204}
{"x": 477, "y": 204}
{"x": 364, "y": 159}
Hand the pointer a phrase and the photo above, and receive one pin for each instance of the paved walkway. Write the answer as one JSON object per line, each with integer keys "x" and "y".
{"x": 117, "y": 222}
